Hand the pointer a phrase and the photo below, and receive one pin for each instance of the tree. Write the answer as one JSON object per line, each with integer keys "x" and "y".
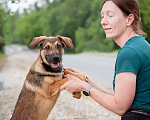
{"x": 92, "y": 36}
{"x": 9, "y": 28}
{"x": 145, "y": 13}
{"x": 2, "y": 43}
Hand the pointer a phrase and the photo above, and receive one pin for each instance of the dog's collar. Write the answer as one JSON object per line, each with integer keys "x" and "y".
{"x": 51, "y": 74}
{"x": 39, "y": 57}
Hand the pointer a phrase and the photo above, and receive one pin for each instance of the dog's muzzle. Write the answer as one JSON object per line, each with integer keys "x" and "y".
{"x": 56, "y": 62}
{"x": 53, "y": 61}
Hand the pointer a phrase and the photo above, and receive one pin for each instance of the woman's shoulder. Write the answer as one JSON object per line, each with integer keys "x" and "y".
{"x": 128, "y": 53}
{"x": 136, "y": 45}
{"x": 137, "y": 42}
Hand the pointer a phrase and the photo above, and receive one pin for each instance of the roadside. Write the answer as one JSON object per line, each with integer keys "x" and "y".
{"x": 3, "y": 61}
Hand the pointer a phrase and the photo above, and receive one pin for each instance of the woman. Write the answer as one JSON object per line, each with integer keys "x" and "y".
{"x": 131, "y": 96}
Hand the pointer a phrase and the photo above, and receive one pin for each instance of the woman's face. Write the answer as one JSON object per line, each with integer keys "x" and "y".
{"x": 113, "y": 20}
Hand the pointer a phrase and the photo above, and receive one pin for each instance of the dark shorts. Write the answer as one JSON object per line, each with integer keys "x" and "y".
{"x": 136, "y": 114}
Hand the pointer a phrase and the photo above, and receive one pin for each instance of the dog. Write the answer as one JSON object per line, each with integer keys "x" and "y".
{"x": 40, "y": 90}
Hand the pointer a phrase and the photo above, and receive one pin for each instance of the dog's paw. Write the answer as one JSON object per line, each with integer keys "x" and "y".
{"x": 67, "y": 72}
{"x": 81, "y": 76}
{"x": 76, "y": 95}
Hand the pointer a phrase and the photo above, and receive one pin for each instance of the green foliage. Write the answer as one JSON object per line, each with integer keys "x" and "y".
{"x": 15, "y": 1}
{"x": 1, "y": 43}
{"x": 28, "y": 27}
{"x": 1, "y": 28}
{"x": 92, "y": 36}
{"x": 77, "y": 19}
{"x": 145, "y": 13}
{"x": 10, "y": 27}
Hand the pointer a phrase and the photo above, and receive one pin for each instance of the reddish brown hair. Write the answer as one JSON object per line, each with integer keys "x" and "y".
{"x": 130, "y": 7}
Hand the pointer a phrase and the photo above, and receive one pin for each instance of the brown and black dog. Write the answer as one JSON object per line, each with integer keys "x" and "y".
{"x": 40, "y": 90}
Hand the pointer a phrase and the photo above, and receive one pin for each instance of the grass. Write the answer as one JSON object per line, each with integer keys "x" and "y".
{"x": 3, "y": 59}
{"x": 1, "y": 54}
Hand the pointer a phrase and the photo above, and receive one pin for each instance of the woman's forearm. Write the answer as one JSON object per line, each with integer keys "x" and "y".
{"x": 121, "y": 101}
{"x": 107, "y": 100}
{"x": 100, "y": 88}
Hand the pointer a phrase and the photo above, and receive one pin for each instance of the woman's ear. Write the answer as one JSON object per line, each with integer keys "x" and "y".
{"x": 130, "y": 20}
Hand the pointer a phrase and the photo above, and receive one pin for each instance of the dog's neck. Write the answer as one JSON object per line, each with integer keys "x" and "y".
{"x": 39, "y": 57}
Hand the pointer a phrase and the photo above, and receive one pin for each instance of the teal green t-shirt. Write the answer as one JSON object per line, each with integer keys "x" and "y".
{"x": 135, "y": 57}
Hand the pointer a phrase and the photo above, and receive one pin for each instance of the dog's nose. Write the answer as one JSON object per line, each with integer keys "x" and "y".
{"x": 56, "y": 58}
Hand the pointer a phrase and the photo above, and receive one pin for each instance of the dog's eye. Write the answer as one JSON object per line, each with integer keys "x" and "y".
{"x": 58, "y": 46}
{"x": 47, "y": 48}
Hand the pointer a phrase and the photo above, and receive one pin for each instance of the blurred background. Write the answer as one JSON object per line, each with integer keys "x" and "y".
{"x": 77, "y": 19}
{"x": 22, "y": 20}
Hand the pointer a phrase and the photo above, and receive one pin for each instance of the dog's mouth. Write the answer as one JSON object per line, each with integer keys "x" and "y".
{"x": 55, "y": 65}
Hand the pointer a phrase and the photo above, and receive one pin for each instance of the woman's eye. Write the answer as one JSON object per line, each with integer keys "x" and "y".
{"x": 58, "y": 46}
{"x": 111, "y": 15}
{"x": 47, "y": 48}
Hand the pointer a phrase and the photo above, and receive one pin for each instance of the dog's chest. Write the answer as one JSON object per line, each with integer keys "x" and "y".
{"x": 52, "y": 79}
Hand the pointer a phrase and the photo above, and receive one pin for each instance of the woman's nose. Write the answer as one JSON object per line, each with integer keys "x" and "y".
{"x": 104, "y": 21}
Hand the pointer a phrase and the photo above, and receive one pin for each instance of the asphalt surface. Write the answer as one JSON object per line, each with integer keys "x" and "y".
{"x": 96, "y": 66}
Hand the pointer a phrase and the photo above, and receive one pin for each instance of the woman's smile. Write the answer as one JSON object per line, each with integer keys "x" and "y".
{"x": 107, "y": 29}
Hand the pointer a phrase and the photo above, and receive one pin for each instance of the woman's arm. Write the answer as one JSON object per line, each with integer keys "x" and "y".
{"x": 119, "y": 102}
{"x": 125, "y": 86}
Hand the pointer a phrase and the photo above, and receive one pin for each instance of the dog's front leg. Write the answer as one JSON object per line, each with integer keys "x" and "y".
{"x": 52, "y": 88}
{"x": 55, "y": 88}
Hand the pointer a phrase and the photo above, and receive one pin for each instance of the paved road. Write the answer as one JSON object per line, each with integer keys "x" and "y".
{"x": 97, "y": 66}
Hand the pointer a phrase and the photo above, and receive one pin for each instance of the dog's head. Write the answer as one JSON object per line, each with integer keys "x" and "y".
{"x": 51, "y": 51}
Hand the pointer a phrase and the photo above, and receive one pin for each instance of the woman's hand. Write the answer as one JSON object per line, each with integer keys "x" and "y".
{"x": 74, "y": 84}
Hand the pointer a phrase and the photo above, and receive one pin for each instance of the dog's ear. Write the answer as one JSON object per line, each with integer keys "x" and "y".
{"x": 37, "y": 41}
{"x": 66, "y": 41}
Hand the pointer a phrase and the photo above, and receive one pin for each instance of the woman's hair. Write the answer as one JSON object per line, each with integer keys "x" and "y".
{"x": 130, "y": 7}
